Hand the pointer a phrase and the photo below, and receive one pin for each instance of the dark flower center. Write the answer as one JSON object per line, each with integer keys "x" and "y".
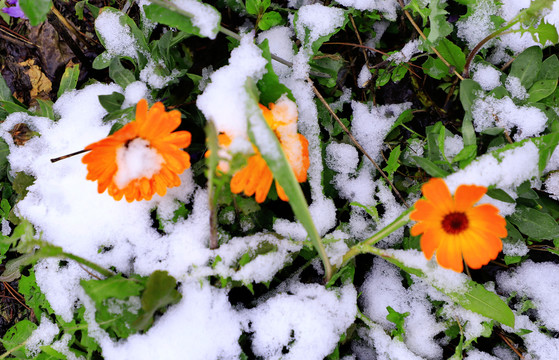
{"x": 455, "y": 223}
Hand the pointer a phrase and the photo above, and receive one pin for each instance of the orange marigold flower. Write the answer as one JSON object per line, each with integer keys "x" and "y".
{"x": 455, "y": 227}
{"x": 256, "y": 177}
{"x": 142, "y": 158}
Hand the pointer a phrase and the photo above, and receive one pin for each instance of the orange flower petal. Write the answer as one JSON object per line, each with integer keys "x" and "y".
{"x": 449, "y": 254}
{"x": 155, "y": 126}
{"x": 430, "y": 241}
{"x": 436, "y": 192}
{"x": 263, "y": 187}
{"x": 467, "y": 195}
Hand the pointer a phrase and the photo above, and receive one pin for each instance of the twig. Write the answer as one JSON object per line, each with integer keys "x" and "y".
{"x": 67, "y": 156}
{"x": 13, "y": 292}
{"x": 510, "y": 344}
{"x": 410, "y": 18}
{"x": 359, "y": 39}
{"x": 317, "y": 93}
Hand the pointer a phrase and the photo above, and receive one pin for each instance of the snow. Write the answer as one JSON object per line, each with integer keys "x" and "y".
{"x": 407, "y": 52}
{"x": 42, "y": 336}
{"x": 364, "y": 77}
{"x": 135, "y": 161}
{"x": 205, "y": 17}
{"x": 486, "y": 76}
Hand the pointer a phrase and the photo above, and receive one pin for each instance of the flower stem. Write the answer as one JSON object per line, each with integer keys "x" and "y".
{"x": 357, "y": 249}
{"x": 101, "y": 270}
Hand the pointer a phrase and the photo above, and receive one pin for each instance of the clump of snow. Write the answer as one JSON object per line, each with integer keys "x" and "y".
{"x": 203, "y": 310}
{"x": 452, "y": 146}
{"x": 478, "y": 25}
{"x": 515, "y": 249}
{"x": 344, "y": 99}
{"x": 134, "y": 92}
{"x": 305, "y": 319}
{"x": 117, "y": 38}
{"x": 225, "y": 99}
{"x": 540, "y": 283}
{"x": 136, "y": 160}
{"x": 150, "y": 74}
{"x": 205, "y": 17}
{"x": 383, "y": 288}
{"x": 514, "y": 86}
{"x": 489, "y": 112}
{"x": 42, "y": 336}
{"x": 486, "y": 76}
{"x": 281, "y": 45}
{"x": 320, "y": 20}
{"x": 263, "y": 267}
{"x": 336, "y": 247}
{"x": 387, "y": 7}
{"x": 342, "y": 158}
{"x": 408, "y": 51}
{"x": 364, "y": 77}
{"x": 371, "y": 124}
{"x": 552, "y": 185}
{"x": 538, "y": 344}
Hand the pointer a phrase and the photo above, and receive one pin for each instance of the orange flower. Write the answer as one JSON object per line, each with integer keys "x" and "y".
{"x": 256, "y": 177}
{"x": 142, "y": 158}
{"x": 455, "y": 227}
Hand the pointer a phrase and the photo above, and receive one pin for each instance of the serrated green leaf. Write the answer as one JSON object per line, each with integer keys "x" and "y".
{"x": 35, "y": 10}
{"x": 34, "y": 297}
{"x": 69, "y": 79}
{"x": 392, "y": 163}
{"x": 16, "y": 336}
{"x": 439, "y": 25}
{"x": 159, "y": 293}
{"x": 534, "y": 223}
{"x": 527, "y": 66}
{"x": 467, "y": 154}
{"x": 116, "y": 287}
{"x": 543, "y": 33}
{"x": 541, "y": 89}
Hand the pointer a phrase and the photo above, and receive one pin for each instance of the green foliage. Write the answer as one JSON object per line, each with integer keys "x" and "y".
{"x": 35, "y": 10}
{"x": 397, "y": 319}
{"x": 168, "y": 14}
{"x": 69, "y": 79}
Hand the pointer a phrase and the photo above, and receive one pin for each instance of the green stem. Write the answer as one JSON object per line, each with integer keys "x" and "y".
{"x": 6, "y": 354}
{"x": 101, "y": 270}
{"x": 357, "y": 249}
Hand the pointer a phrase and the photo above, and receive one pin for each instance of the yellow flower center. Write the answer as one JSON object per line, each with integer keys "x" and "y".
{"x": 455, "y": 223}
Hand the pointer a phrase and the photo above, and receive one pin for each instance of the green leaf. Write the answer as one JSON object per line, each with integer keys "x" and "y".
{"x": 546, "y": 144}
{"x": 430, "y": 167}
{"x": 21, "y": 182}
{"x": 550, "y": 69}
{"x": 439, "y": 25}
{"x": 174, "y": 17}
{"x": 267, "y": 143}
{"x": 45, "y": 109}
{"x": 4, "y": 152}
{"x": 543, "y": 33}
{"x": 468, "y": 93}
{"x": 500, "y": 195}
{"x": 534, "y": 223}
{"x": 160, "y": 292}
{"x": 269, "y": 20}
{"x": 69, "y": 79}
{"x": 114, "y": 287}
{"x": 435, "y": 68}
{"x": 16, "y": 336}
{"x": 475, "y": 298}
{"x": 111, "y": 102}
{"x": 5, "y": 92}
{"x": 541, "y": 89}
{"x": 35, "y": 10}
{"x": 453, "y": 54}
{"x": 467, "y": 154}
{"x": 270, "y": 87}
{"x": 102, "y": 61}
{"x": 527, "y": 66}
{"x": 122, "y": 76}
{"x": 34, "y": 298}
{"x": 397, "y": 319}
{"x": 11, "y": 107}
{"x": 392, "y": 163}
{"x": 253, "y": 7}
